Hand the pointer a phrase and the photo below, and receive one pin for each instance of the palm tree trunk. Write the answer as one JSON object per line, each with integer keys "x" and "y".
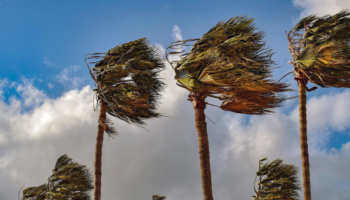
{"x": 303, "y": 139}
{"x": 98, "y": 150}
{"x": 204, "y": 159}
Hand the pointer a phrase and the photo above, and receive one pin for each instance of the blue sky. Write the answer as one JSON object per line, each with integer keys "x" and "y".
{"x": 42, "y": 67}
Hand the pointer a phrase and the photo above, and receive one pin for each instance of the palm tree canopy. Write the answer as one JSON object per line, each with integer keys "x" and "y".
{"x": 127, "y": 80}
{"x": 277, "y": 181}
{"x": 70, "y": 180}
{"x": 320, "y": 48}
{"x": 232, "y": 63}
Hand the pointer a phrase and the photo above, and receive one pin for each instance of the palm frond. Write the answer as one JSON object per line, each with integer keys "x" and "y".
{"x": 127, "y": 80}
{"x": 321, "y": 49}
{"x": 35, "y": 193}
{"x": 276, "y": 181}
{"x": 231, "y": 58}
{"x": 70, "y": 180}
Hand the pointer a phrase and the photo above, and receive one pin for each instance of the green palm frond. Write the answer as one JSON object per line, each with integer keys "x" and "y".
{"x": 233, "y": 61}
{"x": 320, "y": 47}
{"x": 70, "y": 180}
{"x": 127, "y": 80}
{"x": 276, "y": 181}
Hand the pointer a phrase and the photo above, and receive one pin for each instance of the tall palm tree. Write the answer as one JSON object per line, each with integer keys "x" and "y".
{"x": 70, "y": 180}
{"x": 231, "y": 63}
{"x": 276, "y": 181}
{"x": 127, "y": 87}
{"x": 320, "y": 48}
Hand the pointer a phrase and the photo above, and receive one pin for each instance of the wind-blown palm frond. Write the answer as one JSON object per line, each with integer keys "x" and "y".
{"x": 70, "y": 180}
{"x": 276, "y": 181}
{"x": 320, "y": 48}
{"x": 127, "y": 80}
{"x": 35, "y": 193}
{"x": 233, "y": 61}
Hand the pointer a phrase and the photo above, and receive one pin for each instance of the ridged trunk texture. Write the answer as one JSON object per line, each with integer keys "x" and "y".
{"x": 98, "y": 151}
{"x": 303, "y": 140}
{"x": 204, "y": 159}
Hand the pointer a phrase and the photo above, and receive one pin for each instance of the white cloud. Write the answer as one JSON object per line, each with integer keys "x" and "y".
{"x": 31, "y": 95}
{"x": 162, "y": 160}
{"x": 67, "y": 78}
{"x": 177, "y": 33}
{"x": 277, "y": 135}
{"x": 173, "y": 92}
{"x": 50, "y": 85}
{"x": 321, "y": 7}
{"x": 48, "y": 62}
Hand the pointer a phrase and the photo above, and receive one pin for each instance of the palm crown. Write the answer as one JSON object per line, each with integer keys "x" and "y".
{"x": 320, "y": 48}
{"x": 277, "y": 181}
{"x": 127, "y": 80}
{"x": 231, "y": 60}
{"x": 70, "y": 180}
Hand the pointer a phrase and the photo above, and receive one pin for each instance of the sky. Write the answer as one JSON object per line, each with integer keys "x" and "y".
{"x": 46, "y": 107}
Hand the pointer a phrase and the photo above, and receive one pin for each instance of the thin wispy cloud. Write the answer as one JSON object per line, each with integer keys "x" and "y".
{"x": 68, "y": 77}
{"x": 50, "y": 85}
{"x": 47, "y": 62}
{"x": 177, "y": 33}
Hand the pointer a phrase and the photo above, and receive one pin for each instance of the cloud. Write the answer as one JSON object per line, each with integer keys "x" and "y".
{"x": 50, "y": 85}
{"x": 31, "y": 95}
{"x": 173, "y": 93}
{"x": 67, "y": 77}
{"x": 177, "y": 33}
{"x": 320, "y": 7}
{"x": 3, "y": 84}
{"x": 48, "y": 62}
{"x": 137, "y": 163}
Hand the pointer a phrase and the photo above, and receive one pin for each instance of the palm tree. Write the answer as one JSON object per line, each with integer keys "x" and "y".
{"x": 230, "y": 63}
{"x": 70, "y": 180}
{"x": 320, "y": 48}
{"x": 277, "y": 181}
{"x": 127, "y": 87}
